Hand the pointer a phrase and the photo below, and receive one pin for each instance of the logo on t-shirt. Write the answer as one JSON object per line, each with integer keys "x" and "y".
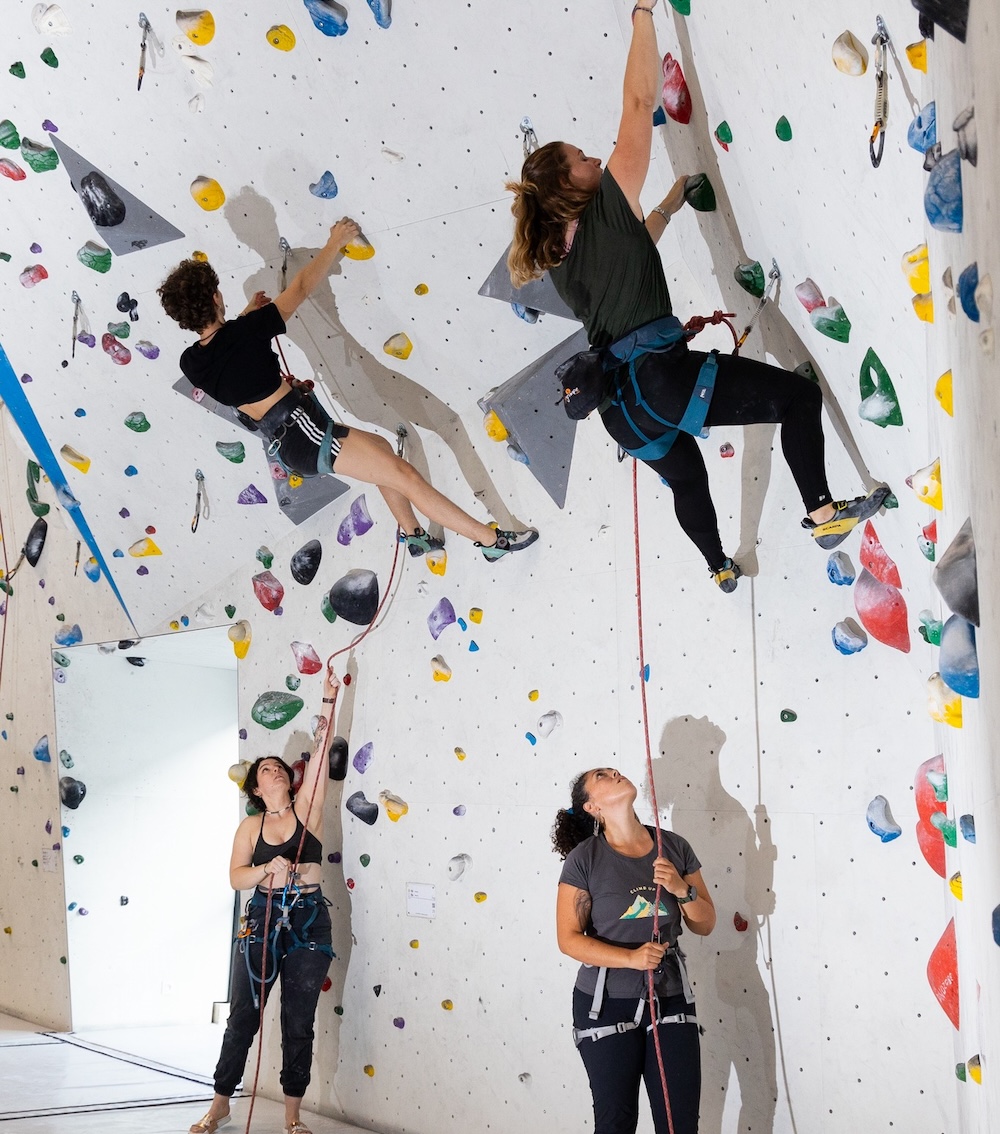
{"x": 642, "y": 907}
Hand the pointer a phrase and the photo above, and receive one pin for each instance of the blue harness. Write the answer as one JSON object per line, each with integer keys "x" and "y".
{"x": 295, "y": 940}
{"x": 657, "y": 338}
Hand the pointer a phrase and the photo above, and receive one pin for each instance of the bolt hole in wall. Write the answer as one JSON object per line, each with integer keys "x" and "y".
{"x": 150, "y": 730}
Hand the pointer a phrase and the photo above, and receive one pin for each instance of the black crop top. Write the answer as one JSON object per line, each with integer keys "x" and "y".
{"x": 237, "y": 365}
{"x": 312, "y": 848}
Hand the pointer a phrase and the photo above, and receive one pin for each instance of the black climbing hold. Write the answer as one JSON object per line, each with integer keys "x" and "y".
{"x": 338, "y": 758}
{"x": 71, "y": 792}
{"x": 36, "y": 541}
{"x": 366, "y": 811}
{"x": 956, "y": 576}
{"x": 137, "y": 662}
{"x": 952, "y": 15}
{"x": 104, "y": 207}
{"x": 305, "y": 562}
{"x": 377, "y": 989}
{"x": 355, "y": 596}
{"x": 128, "y": 643}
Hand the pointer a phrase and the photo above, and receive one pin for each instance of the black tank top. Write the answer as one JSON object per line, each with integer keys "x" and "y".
{"x": 312, "y": 848}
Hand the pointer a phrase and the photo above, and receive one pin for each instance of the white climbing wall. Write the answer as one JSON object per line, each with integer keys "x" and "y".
{"x": 819, "y": 1015}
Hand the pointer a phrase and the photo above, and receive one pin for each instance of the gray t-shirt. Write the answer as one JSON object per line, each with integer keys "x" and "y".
{"x": 621, "y": 893}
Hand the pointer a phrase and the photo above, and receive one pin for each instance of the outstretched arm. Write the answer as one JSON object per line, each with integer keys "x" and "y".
{"x": 309, "y": 805}
{"x": 305, "y": 282}
{"x": 629, "y": 163}
{"x": 656, "y": 222}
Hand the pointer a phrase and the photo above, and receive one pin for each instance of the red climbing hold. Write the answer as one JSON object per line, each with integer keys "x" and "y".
{"x": 928, "y": 797}
{"x": 268, "y": 590}
{"x": 875, "y": 559}
{"x": 882, "y": 610}
{"x": 931, "y": 843}
{"x": 740, "y": 922}
{"x": 930, "y": 532}
{"x": 676, "y": 96}
{"x": 942, "y": 973}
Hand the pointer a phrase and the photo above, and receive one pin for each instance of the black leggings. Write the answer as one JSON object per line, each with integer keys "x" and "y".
{"x": 747, "y": 392}
{"x": 617, "y": 1064}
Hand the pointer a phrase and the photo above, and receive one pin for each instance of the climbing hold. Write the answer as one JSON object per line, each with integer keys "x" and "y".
{"x": 849, "y": 54}
{"x": 750, "y": 277}
{"x": 355, "y": 596}
{"x": 199, "y": 27}
{"x": 880, "y": 820}
{"x": 809, "y": 295}
{"x": 398, "y": 346}
{"x": 740, "y": 923}
{"x": 831, "y": 320}
{"x": 119, "y": 354}
{"x": 10, "y": 169}
{"x": 675, "y": 94}
{"x": 875, "y": 559}
{"x": 17, "y": 69}
{"x": 93, "y": 256}
{"x": 459, "y": 810}
{"x": 848, "y": 637}
{"x": 68, "y": 635}
{"x": 942, "y": 973}
{"x": 930, "y": 628}
{"x": 72, "y": 457}
{"x": 943, "y": 195}
{"x": 788, "y": 715}
{"x": 916, "y": 267}
{"x": 926, "y": 483}
{"x": 10, "y": 139}
{"x": 71, "y": 792}
{"x": 381, "y": 10}
{"x": 251, "y": 495}
{"x": 930, "y": 788}
{"x": 231, "y": 450}
{"x": 528, "y": 314}
{"x": 305, "y": 562}
{"x": 137, "y": 422}
{"x": 328, "y": 16}
{"x": 840, "y": 569}
{"x": 144, "y": 547}
{"x": 460, "y": 753}
{"x": 726, "y": 451}
{"x": 264, "y": 556}
{"x": 447, "y": 1005}
{"x": 724, "y": 135}
{"x": 968, "y": 282}
{"x": 356, "y": 522}
{"x": 783, "y": 129}
{"x": 274, "y": 709}
{"x": 395, "y": 807}
{"x": 955, "y": 884}
{"x": 968, "y": 142}
{"x": 41, "y": 751}
{"x": 362, "y": 808}
{"x": 480, "y": 896}
{"x": 916, "y": 54}
{"x": 240, "y": 635}
{"x": 458, "y": 865}
{"x": 326, "y": 187}
{"x": 956, "y": 577}
{"x": 369, "y": 1069}
{"x": 360, "y": 248}
{"x": 268, "y": 590}
{"x": 328, "y": 612}
{"x": 337, "y": 758}
{"x": 967, "y": 826}
{"x": 943, "y": 393}
{"x": 306, "y": 658}
{"x": 879, "y": 402}
{"x": 440, "y": 669}
{"x": 363, "y": 757}
{"x": 531, "y": 738}
{"x": 33, "y": 275}
{"x": 437, "y": 562}
{"x": 958, "y": 661}
{"x": 495, "y": 428}
{"x": 882, "y": 610}
{"x": 975, "y": 1068}
{"x": 948, "y": 828}
{"x": 996, "y": 925}
{"x": 147, "y": 349}
{"x": 35, "y": 543}
{"x": 922, "y": 133}
{"x": 208, "y": 193}
{"x": 943, "y": 704}
{"x": 40, "y": 157}
{"x": 441, "y": 617}
{"x": 699, "y": 194}
{"x": 548, "y": 722}
{"x": 281, "y": 36}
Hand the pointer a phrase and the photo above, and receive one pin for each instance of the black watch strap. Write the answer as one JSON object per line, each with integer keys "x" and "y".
{"x": 691, "y": 895}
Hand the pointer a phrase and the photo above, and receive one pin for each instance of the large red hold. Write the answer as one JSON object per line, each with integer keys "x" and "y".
{"x": 882, "y": 610}
{"x": 874, "y": 558}
{"x": 676, "y": 96}
{"x": 942, "y": 973}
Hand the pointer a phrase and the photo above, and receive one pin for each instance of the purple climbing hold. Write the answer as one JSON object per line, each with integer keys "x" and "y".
{"x": 441, "y": 617}
{"x": 363, "y": 757}
{"x": 251, "y": 495}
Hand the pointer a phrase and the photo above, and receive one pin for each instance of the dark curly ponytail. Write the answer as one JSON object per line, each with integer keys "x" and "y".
{"x": 573, "y": 824}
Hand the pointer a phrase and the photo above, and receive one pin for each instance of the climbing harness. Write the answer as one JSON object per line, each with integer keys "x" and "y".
{"x": 529, "y": 139}
{"x": 201, "y": 507}
{"x": 881, "y": 41}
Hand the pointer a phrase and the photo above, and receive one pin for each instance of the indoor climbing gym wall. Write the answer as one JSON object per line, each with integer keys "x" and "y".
{"x": 824, "y": 736}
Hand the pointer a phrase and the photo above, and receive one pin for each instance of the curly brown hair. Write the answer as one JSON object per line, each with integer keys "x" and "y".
{"x": 544, "y": 204}
{"x": 188, "y": 294}
{"x": 573, "y": 824}
{"x": 250, "y": 783}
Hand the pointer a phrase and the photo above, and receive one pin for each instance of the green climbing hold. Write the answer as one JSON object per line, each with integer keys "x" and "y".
{"x": 5, "y": 256}
{"x": 292, "y": 682}
{"x": 60, "y": 660}
{"x": 788, "y": 715}
{"x": 890, "y": 501}
{"x": 831, "y": 320}
{"x": 879, "y": 403}
{"x": 699, "y": 194}
{"x": 947, "y": 827}
{"x": 119, "y": 330}
{"x": 365, "y": 859}
{"x": 930, "y": 628}
{"x": 232, "y": 451}
{"x": 137, "y": 422}
{"x": 750, "y": 277}
{"x": 230, "y": 611}
{"x": 78, "y": 859}
{"x": 17, "y": 70}
{"x": 681, "y": 7}
{"x": 723, "y": 135}
{"x": 10, "y": 139}
{"x": 92, "y": 255}
{"x": 339, "y": 1009}
{"x": 40, "y": 157}
{"x": 783, "y": 129}
{"x": 327, "y": 608}
{"x": 48, "y": 57}
{"x": 274, "y": 709}
{"x": 960, "y": 1072}
{"x": 807, "y": 370}
{"x": 266, "y": 556}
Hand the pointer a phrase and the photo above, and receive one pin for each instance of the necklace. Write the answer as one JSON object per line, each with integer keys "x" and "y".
{"x": 205, "y": 341}
{"x": 281, "y": 810}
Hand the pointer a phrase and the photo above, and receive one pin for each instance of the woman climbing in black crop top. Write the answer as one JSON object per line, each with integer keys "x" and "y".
{"x": 585, "y": 226}
{"x": 233, "y": 362}
{"x": 298, "y": 948}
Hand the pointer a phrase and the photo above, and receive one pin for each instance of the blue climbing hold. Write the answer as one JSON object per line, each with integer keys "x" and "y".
{"x": 68, "y": 635}
{"x": 381, "y": 10}
{"x": 326, "y": 187}
{"x": 329, "y": 17}
{"x": 922, "y": 134}
{"x": 880, "y": 820}
{"x": 958, "y": 662}
{"x": 528, "y": 314}
{"x": 968, "y": 281}
{"x": 943, "y": 195}
{"x": 41, "y": 750}
{"x": 967, "y": 825}
{"x": 531, "y": 738}
{"x": 840, "y": 569}
{"x": 645, "y": 672}
{"x": 659, "y": 116}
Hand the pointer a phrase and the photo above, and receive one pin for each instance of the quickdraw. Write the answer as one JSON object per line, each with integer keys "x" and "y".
{"x": 881, "y": 41}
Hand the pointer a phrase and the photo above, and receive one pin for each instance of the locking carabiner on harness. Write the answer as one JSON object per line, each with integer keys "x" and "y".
{"x": 881, "y": 42}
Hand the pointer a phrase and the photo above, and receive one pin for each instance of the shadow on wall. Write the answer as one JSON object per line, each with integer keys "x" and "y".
{"x": 348, "y": 371}
{"x": 692, "y": 151}
{"x": 737, "y": 859}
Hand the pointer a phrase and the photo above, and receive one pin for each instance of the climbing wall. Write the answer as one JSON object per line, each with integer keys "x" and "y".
{"x": 790, "y": 731}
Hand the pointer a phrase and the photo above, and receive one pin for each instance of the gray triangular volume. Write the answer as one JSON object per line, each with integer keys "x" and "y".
{"x": 298, "y": 504}
{"x": 540, "y": 295}
{"x": 528, "y": 405}
{"x": 123, "y": 222}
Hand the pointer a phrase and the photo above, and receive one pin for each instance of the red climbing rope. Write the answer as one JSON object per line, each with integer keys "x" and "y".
{"x": 652, "y": 788}
{"x": 698, "y": 323}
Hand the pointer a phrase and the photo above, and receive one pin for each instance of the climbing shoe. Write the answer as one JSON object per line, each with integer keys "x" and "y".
{"x": 508, "y": 542}
{"x": 420, "y": 542}
{"x": 849, "y": 513}
{"x": 726, "y": 576}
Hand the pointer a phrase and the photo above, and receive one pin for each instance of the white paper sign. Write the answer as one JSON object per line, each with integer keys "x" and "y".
{"x": 420, "y": 900}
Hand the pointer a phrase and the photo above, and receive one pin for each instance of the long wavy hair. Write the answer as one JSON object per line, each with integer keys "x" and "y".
{"x": 573, "y": 824}
{"x": 545, "y": 202}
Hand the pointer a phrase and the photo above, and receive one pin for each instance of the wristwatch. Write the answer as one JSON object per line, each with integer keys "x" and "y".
{"x": 689, "y": 896}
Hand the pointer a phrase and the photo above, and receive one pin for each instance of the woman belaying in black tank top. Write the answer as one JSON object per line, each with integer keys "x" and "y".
{"x": 585, "y": 226}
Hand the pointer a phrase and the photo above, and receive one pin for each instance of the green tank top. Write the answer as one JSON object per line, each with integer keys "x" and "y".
{"x": 612, "y": 278}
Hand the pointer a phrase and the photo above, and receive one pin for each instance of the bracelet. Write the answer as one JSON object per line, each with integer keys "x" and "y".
{"x": 662, "y": 212}
{"x": 640, "y": 8}
{"x": 329, "y": 700}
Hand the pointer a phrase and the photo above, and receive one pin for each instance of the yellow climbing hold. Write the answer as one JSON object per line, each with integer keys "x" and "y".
{"x": 240, "y": 635}
{"x": 238, "y": 773}
{"x": 955, "y": 884}
{"x": 414, "y": 944}
{"x": 369, "y": 1071}
{"x": 199, "y": 27}
{"x": 143, "y": 547}
{"x": 476, "y": 614}
{"x": 398, "y": 346}
{"x": 395, "y": 807}
{"x": 175, "y": 625}
{"x": 294, "y": 480}
{"x": 72, "y": 457}
{"x": 923, "y": 306}
{"x": 208, "y": 193}
{"x": 440, "y": 668}
{"x": 437, "y": 562}
{"x": 281, "y": 36}
{"x": 944, "y": 706}
{"x": 533, "y": 695}
{"x": 358, "y": 249}
{"x": 201, "y": 257}
{"x": 460, "y": 753}
{"x": 917, "y": 269}
{"x": 480, "y": 896}
{"x": 447, "y": 1005}
{"x": 943, "y": 393}
{"x": 9, "y": 930}
{"x": 976, "y": 1069}
{"x": 849, "y": 54}
{"x": 926, "y": 483}
{"x": 917, "y": 55}
{"x": 421, "y": 289}
{"x": 495, "y": 428}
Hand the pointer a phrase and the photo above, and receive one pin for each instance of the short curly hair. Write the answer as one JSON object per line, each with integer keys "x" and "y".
{"x": 188, "y": 294}
{"x": 250, "y": 783}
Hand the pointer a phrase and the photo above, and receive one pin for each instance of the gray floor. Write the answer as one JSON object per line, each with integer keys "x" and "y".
{"x": 106, "y": 1081}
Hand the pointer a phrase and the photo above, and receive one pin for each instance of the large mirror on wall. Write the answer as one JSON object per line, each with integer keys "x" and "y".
{"x": 146, "y": 733}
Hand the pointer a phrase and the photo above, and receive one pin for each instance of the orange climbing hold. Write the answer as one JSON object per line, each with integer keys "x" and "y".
{"x": 942, "y": 973}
